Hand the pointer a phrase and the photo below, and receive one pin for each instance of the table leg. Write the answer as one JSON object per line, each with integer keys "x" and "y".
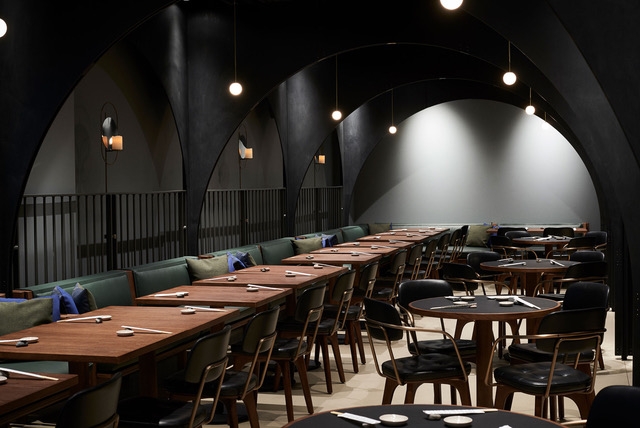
{"x": 529, "y": 282}
{"x": 484, "y": 341}
{"x": 148, "y": 375}
{"x": 86, "y": 374}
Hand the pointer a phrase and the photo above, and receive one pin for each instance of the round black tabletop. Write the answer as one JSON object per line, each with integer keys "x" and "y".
{"x": 417, "y": 417}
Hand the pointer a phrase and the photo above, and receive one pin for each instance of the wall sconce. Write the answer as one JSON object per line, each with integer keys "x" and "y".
{"x": 320, "y": 159}
{"x": 111, "y": 140}
{"x": 244, "y": 151}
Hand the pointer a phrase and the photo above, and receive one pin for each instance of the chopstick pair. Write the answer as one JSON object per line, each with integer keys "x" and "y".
{"x": 264, "y": 287}
{"x": 147, "y": 330}
{"x": 37, "y": 376}
{"x": 469, "y": 305}
{"x": 93, "y": 317}
{"x": 299, "y": 273}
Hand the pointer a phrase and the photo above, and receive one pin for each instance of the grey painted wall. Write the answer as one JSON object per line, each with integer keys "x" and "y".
{"x": 475, "y": 161}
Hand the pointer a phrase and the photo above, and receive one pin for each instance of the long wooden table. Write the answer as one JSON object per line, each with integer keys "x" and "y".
{"x": 215, "y": 296}
{"x": 277, "y": 276}
{"x": 413, "y": 235}
{"x": 84, "y": 344}
{"x": 22, "y": 395}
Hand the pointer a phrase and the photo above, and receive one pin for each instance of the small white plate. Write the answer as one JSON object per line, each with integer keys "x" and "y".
{"x": 188, "y": 311}
{"x": 124, "y": 333}
{"x": 252, "y": 289}
{"x": 460, "y": 302}
{"x": 392, "y": 419}
{"x": 506, "y": 303}
{"x": 458, "y": 421}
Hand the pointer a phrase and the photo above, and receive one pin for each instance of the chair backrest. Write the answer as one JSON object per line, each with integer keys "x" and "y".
{"x": 382, "y": 312}
{"x": 410, "y": 291}
{"x": 344, "y": 283}
{"x": 474, "y": 259}
{"x": 368, "y": 275}
{"x": 558, "y": 231}
{"x": 599, "y": 236}
{"x": 459, "y": 275}
{"x": 587, "y": 270}
{"x": 513, "y": 234}
{"x": 414, "y": 258}
{"x": 207, "y": 350}
{"x": 309, "y": 302}
{"x": 93, "y": 407}
{"x": 614, "y": 406}
{"x": 586, "y": 242}
{"x": 398, "y": 262}
{"x": 587, "y": 256}
{"x": 504, "y": 229}
{"x": 262, "y": 325}
{"x": 571, "y": 321}
{"x": 429, "y": 255}
{"x": 582, "y": 295}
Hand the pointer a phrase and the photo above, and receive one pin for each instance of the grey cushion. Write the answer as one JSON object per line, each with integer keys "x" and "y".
{"x": 477, "y": 235}
{"x": 304, "y": 246}
{"x": 207, "y": 268}
{"x": 17, "y": 316}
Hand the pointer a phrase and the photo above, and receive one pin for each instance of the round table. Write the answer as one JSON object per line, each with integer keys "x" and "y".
{"x": 417, "y": 418}
{"x": 487, "y": 311}
{"x": 529, "y": 271}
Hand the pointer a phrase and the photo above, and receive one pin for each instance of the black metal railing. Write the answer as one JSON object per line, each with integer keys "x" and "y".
{"x": 66, "y": 236}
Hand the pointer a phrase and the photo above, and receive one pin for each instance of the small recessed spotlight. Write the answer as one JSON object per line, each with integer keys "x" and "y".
{"x": 451, "y": 4}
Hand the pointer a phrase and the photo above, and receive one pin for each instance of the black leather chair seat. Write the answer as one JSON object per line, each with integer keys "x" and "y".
{"x": 149, "y": 411}
{"x": 326, "y": 326}
{"x": 528, "y": 352}
{"x": 332, "y": 310}
{"x": 558, "y": 297}
{"x": 467, "y": 348}
{"x": 425, "y": 367}
{"x": 532, "y": 378}
{"x": 233, "y": 384}
{"x": 286, "y": 348}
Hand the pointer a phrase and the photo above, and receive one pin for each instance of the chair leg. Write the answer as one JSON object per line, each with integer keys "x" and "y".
{"x": 321, "y": 344}
{"x": 410, "y": 394}
{"x": 333, "y": 339}
{"x": 251, "y": 403}
{"x": 288, "y": 393}
{"x": 350, "y": 337}
{"x": 232, "y": 411}
{"x": 389, "y": 387}
{"x": 304, "y": 382}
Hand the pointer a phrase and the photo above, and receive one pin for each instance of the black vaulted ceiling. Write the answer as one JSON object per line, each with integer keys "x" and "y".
{"x": 579, "y": 57}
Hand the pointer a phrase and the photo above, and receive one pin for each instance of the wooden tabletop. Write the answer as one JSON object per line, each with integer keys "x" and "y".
{"x": 383, "y": 250}
{"x": 22, "y": 395}
{"x": 339, "y": 259}
{"x": 83, "y": 343}
{"x": 215, "y": 296}
{"x": 529, "y": 271}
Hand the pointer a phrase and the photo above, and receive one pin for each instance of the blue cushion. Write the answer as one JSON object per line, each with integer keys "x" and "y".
{"x": 329, "y": 240}
{"x": 234, "y": 263}
{"x": 67, "y": 305}
{"x": 246, "y": 259}
{"x": 83, "y": 299}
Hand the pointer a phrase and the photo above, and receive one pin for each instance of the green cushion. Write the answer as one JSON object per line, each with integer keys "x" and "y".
{"x": 477, "y": 235}
{"x": 304, "y": 246}
{"x": 378, "y": 228}
{"x": 352, "y": 233}
{"x": 275, "y": 250}
{"x": 17, "y": 316}
{"x": 207, "y": 268}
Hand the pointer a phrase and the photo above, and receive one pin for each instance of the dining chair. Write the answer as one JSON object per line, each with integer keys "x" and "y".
{"x": 613, "y": 406}
{"x": 353, "y": 330}
{"x": 463, "y": 277}
{"x": 413, "y": 265}
{"x": 386, "y": 286}
{"x": 558, "y": 231}
{"x": 587, "y": 256}
{"x": 442, "y": 250}
{"x": 206, "y": 363}
{"x": 505, "y": 246}
{"x": 600, "y": 238}
{"x": 332, "y": 321}
{"x": 574, "y": 244}
{"x": 476, "y": 258}
{"x": 239, "y": 382}
{"x": 410, "y": 291}
{"x": 428, "y": 258}
{"x": 96, "y": 406}
{"x": 296, "y": 336}
{"x": 551, "y": 287}
{"x": 384, "y": 323}
{"x": 502, "y": 230}
{"x": 567, "y": 335}
{"x": 457, "y": 242}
